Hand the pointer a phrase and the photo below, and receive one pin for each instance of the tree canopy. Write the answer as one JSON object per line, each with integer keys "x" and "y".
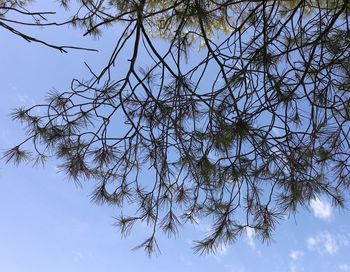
{"x": 240, "y": 109}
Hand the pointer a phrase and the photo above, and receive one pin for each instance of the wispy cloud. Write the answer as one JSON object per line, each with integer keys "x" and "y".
{"x": 322, "y": 243}
{"x": 22, "y": 98}
{"x": 222, "y": 250}
{"x": 26, "y": 101}
{"x": 344, "y": 268}
{"x": 295, "y": 264}
{"x": 296, "y": 255}
{"x": 321, "y": 208}
{"x": 293, "y": 268}
{"x": 77, "y": 256}
{"x": 250, "y": 232}
{"x": 220, "y": 253}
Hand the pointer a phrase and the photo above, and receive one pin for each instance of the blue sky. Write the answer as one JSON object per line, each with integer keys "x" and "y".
{"x": 49, "y": 224}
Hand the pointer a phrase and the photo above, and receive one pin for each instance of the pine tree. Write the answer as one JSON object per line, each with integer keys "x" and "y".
{"x": 241, "y": 113}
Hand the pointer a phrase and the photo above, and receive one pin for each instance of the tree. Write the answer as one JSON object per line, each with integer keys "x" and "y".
{"x": 244, "y": 131}
{"x": 15, "y": 12}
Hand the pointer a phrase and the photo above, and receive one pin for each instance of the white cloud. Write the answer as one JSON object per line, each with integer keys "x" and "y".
{"x": 324, "y": 242}
{"x": 22, "y": 98}
{"x": 295, "y": 265}
{"x": 222, "y": 249}
{"x": 293, "y": 268}
{"x": 220, "y": 252}
{"x": 201, "y": 225}
{"x": 344, "y": 268}
{"x": 250, "y": 232}
{"x": 296, "y": 255}
{"x": 25, "y": 100}
{"x": 13, "y": 87}
{"x": 321, "y": 209}
{"x": 311, "y": 242}
{"x": 77, "y": 256}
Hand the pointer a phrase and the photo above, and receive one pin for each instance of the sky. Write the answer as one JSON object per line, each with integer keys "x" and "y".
{"x": 49, "y": 224}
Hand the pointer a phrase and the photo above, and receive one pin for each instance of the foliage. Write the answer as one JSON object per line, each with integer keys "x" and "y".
{"x": 14, "y": 13}
{"x": 240, "y": 109}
